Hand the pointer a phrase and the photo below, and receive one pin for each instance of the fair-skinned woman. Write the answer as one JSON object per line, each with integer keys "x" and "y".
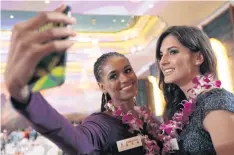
{"x": 182, "y": 54}
{"x": 99, "y": 132}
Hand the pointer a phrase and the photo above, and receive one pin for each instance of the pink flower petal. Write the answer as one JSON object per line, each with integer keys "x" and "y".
{"x": 217, "y": 83}
{"x": 196, "y": 80}
{"x": 207, "y": 80}
{"x": 118, "y": 112}
{"x": 127, "y": 118}
{"x": 168, "y": 130}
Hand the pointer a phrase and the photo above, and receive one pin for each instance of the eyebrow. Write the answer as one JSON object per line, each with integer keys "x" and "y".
{"x": 127, "y": 66}
{"x": 112, "y": 72}
{"x": 169, "y": 48}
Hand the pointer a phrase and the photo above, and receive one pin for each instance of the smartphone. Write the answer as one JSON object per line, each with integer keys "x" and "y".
{"x": 50, "y": 71}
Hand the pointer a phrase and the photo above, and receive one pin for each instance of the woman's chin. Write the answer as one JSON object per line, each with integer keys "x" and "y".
{"x": 128, "y": 96}
{"x": 168, "y": 81}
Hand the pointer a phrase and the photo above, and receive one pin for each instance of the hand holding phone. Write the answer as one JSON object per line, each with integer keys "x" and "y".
{"x": 50, "y": 71}
{"x": 28, "y": 46}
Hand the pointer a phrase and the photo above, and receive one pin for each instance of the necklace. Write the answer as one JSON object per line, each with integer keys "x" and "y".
{"x": 141, "y": 121}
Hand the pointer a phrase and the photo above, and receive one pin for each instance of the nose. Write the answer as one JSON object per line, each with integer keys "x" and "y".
{"x": 123, "y": 77}
{"x": 164, "y": 60}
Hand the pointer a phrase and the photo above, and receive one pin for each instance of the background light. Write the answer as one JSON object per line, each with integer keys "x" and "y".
{"x": 223, "y": 69}
{"x": 157, "y": 96}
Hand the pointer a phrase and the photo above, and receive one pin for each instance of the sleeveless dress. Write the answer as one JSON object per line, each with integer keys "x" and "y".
{"x": 194, "y": 139}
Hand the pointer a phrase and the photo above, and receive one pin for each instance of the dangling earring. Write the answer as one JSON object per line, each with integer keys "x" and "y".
{"x": 105, "y": 102}
{"x": 134, "y": 100}
{"x": 105, "y": 97}
{"x": 108, "y": 103}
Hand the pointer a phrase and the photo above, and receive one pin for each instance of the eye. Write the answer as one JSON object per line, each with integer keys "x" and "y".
{"x": 128, "y": 70}
{"x": 113, "y": 76}
{"x": 173, "y": 51}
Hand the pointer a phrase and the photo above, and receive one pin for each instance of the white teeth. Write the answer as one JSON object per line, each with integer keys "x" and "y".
{"x": 127, "y": 87}
{"x": 168, "y": 70}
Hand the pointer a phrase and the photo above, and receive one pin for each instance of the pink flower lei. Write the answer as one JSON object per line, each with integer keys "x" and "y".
{"x": 181, "y": 117}
{"x": 142, "y": 121}
{"x": 154, "y": 130}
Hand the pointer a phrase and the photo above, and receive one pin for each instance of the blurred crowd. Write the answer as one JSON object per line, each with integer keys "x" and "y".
{"x": 11, "y": 142}
{"x": 26, "y": 142}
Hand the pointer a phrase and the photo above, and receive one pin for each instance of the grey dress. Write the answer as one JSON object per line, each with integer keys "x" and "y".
{"x": 194, "y": 140}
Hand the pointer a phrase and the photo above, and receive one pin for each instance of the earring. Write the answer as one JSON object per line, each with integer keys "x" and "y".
{"x": 134, "y": 100}
{"x": 106, "y": 97}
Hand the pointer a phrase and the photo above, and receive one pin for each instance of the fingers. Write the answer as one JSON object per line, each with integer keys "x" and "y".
{"x": 60, "y": 8}
{"x": 54, "y": 33}
{"x": 48, "y": 17}
{"x": 54, "y": 46}
{"x": 26, "y": 47}
{"x": 56, "y": 16}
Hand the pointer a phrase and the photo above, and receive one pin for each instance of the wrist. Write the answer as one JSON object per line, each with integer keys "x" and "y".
{"x": 22, "y": 96}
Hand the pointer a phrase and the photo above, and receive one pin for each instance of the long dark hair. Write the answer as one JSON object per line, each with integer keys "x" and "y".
{"x": 98, "y": 66}
{"x": 195, "y": 40}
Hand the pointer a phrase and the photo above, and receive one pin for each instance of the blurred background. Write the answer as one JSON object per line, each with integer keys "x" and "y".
{"x": 130, "y": 27}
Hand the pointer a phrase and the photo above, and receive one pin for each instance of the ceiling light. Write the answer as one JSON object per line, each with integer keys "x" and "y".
{"x": 122, "y": 20}
{"x": 11, "y": 16}
{"x": 47, "y": 1}
{"x": 151, "y": 6}
{"x": 114, "y": 20}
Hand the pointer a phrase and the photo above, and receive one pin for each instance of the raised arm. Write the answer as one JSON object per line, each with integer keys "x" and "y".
{"x": 28, "y": 46}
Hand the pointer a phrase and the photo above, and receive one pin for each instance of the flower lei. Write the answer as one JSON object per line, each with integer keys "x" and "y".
{"x": 136, "y": 121}
{"x": 181, "y": 118}
{"x": 168, "y": 130}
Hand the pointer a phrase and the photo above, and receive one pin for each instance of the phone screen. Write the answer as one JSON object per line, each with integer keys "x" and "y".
{"x": 50, "y": 71}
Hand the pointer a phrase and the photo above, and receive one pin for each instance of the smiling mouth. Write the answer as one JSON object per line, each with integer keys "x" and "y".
{"x": 127, "y": 87}
{"x": 168, "y": 71}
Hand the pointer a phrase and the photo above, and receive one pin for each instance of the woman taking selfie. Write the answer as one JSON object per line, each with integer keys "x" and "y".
{"x": 100, "y": 133}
